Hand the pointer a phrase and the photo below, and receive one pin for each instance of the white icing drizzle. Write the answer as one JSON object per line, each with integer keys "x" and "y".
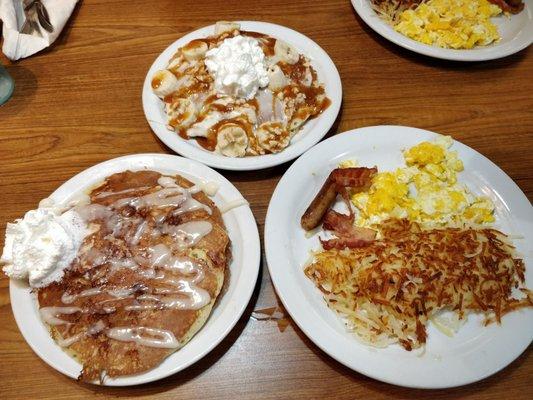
{"x": 96, "y": 328}
{"x": 71, "y": 340}
{"x": 50, "y": 314}
{"x": 230, "y": 205}
{"x": 118, "y": 293}
{"x": 68, "y": 298}
{"x": 157, "y": 337}
{"x": 160, "y": 219}
{"x": 122, "y": 293}
{"x": 191, "y": 298}
{"x": 103, "y": 195}
{"x": 189, "y": 233}
{"x": 110, "y": 301}
{"x": 118, "y": 264}
{"x": 138, "y": 233}
{"x": 161, "y": 256}
{"x": 92, "y": 330}
{"x": 190, "y": 204}
{"x": 118, "y": 224}
{"x": 194, "y": 297}
{"x": 166, "y": 181}
{"x": 168, "y": 197}
{"x": 148, "y": 297}
{"x": 91, "y": 212}
{"x": 148, "y": 273}
{"x": 210, "y": 188}
{"x": 95, "y": 257}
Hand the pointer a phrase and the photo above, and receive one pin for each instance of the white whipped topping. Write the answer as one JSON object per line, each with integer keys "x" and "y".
{"x": 40, "y": 246}
{"x": 238, "y": 67}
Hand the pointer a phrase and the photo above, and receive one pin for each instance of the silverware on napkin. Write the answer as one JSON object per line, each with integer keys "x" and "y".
{"x": 36, "y": 17}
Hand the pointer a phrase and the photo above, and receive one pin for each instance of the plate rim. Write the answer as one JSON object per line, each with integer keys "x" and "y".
{"x": 377, "y": 25}
{"x": 314, "y": 332}
{"x": 250, "y": 163}
{"x": 252, "y": 258}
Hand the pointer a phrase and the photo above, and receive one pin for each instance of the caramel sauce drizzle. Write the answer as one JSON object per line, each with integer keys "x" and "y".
{"x": 315, "y": 103}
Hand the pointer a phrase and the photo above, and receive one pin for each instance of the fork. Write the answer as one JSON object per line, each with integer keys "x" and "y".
{"x": 32, "y": 9}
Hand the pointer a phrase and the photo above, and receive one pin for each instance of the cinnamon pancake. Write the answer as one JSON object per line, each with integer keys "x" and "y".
{"x": 145, "y": 279}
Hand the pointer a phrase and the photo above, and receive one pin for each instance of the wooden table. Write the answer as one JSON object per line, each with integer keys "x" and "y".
{"x": 78, "y": 104}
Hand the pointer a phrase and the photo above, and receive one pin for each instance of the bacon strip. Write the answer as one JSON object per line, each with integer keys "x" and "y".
{"x": 347, "y": 234}
{"x": 512, "y": 6}
{"x": 340, "y": 178}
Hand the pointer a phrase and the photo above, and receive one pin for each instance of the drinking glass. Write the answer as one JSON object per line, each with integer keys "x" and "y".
{"x": 6, "y": 85}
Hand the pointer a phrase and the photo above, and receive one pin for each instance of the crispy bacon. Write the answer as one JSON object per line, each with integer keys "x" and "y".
{"x": 343, "y": 242}
{"x": 512, "y": 6}
{"x": 355, "y": 178}
{"x": 337, "y": 222}
{"x": 358, "y": 179}
{"x": 347, "y": 234}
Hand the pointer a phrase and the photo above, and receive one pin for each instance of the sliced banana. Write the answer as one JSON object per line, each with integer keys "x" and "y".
{"x": 272, "y": 136}
{"x": 181, "y": 113}
{"x": 299, "y": 118}
{"x": 276, "y": 77}
{"x": 201, "y": 129}
{"x": 220, "y": 103}
{"x": 232, "y": 141}
{"x": 226, "y": 26}
{"x": 308, "y": 77}
{"x": 176, "y": 60}
{"x": 195, "y": 50}
{"x": 245, "y": 111}
{"x": 164, "y": 83}
{"x": 285, "y": 52}
{"x": 178, "y": 65}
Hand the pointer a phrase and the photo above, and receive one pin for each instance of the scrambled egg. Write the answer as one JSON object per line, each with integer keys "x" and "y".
{"x": 425, "y": 191}
{"x": 456, "y": 24}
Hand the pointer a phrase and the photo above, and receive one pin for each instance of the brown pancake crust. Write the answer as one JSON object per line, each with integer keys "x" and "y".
{"x": 99, "y": 354}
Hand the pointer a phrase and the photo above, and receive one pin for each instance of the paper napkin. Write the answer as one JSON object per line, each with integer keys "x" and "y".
{"x": 18, "y": 45}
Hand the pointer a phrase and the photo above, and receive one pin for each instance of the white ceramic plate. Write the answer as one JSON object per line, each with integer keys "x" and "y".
{"x": 474, "y": 352}
{"x": 516, "y": 34}
{"x": 310, "y": 134}
{"x": 244, "y": 268}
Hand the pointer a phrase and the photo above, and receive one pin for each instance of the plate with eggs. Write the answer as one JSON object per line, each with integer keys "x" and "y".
{"x": 459, "y": 30}
{"x": 366, "y": 241}
{"x": 242, "y": 95}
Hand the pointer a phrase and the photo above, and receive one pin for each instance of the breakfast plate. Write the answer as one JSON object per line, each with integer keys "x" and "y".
{"x": 311, "y": 132}
{"x": 474, "y": 352}
{"x": 516, "y": 34}
{"x": 244, "y": 267}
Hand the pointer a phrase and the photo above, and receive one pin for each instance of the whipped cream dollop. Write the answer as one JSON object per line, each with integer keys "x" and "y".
{"x": 40, "y": 246}
{"x": 238, "y": 67}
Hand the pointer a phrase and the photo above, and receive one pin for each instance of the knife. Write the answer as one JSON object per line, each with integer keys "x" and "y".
{"x": 35, "y": 10}
{"x": 44, "y": 18}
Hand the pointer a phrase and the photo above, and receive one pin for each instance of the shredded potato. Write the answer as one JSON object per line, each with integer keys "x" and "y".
{"x": 390, "y": 10}
{"x": 389, "y": 290}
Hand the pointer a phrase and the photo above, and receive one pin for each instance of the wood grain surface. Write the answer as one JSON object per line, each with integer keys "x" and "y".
{"x": 78, "y": 103}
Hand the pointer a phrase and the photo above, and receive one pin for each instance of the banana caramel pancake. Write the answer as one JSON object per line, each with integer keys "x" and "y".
{"x": 239, "y": 93}
{"x": 145, "y": 278}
